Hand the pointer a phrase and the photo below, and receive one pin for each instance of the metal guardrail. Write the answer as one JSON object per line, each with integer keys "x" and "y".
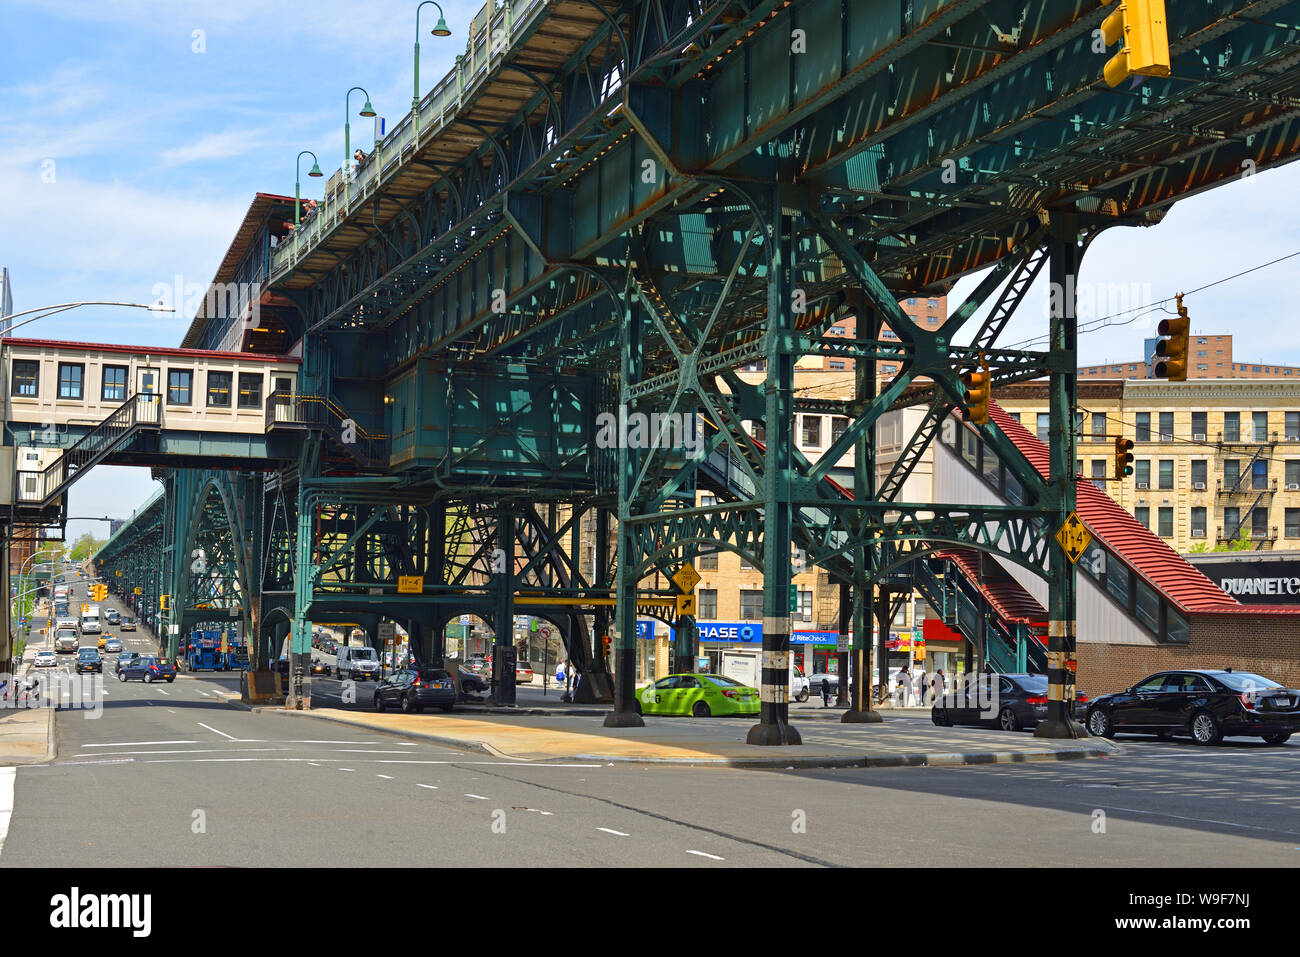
{"x": 436, "y": 111}
{"x": 321, "y": 412}
{"x": 143, "y": 410}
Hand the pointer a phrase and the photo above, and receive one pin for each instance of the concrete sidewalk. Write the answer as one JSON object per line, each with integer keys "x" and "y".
{"x": 26, "y": 736}
{"x": 716, "y": 742}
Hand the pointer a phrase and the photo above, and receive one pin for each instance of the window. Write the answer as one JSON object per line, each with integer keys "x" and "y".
{"x": 912, "y": 301}
{"x": 1099, "y": 426}
{"x": 708, "y": 602}
{"x": 1148, "y": 606}
{"x": 219, "y": 390}
{"x": 1165, "y": 522}
{"x": 888, "y": 370}
{"x": 114, "y": 385}
{"x": 812, "y": 430}
{"x": 1177, "y": 628}
{"x": 26, "y": 375}
{"x": 751, "y": 604}
{"x": 1231, "y": 472}
{"x": 250, "y": 390}
{"x": 1143, "y": 427}
{"x": 707, "y": 561}
{"x": 1198, "y": 522}
{"x": 1166, "y": 426}
{"x": 1099, "y": 467}
{"x": 1200, "y": 472}
{"x": 1143, "y": 514}
{"x": 932, "y": 303}
{"x": 1293, "y": 426}
{"x": 1259, "y": 421}
{"x": 1292, "y": 472}
{"x": 1014, "y": 416}
{"x": 1292, "y": 520}
{"x": 1044, "y": 427}
{"x": 805, "y": 604}
{"x": 834, "y": 364}
{"x": 1259, "y": 475}
{"x": 1259, "y": 521}
{"x": 1166, "y": 473}
{"x": 1232, "y": 426}
{"x": 71, "y": 376}
{"x": 1117, "y": 583}
{"x": 179, "y": 382}
{"x": 1142, "y": 472}
{"x": 839, "y": 425}
{"x": 1231, "y": 522}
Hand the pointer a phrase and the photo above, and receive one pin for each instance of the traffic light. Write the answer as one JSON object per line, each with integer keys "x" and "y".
{"x": 1171, "y": 352}
{"x": 1123, "y": 457}
{"x": 605, "y": 644}
{"x": 162, "y": 602}
{"x": 1140, "y": 29}
{"x": 978, "y": 393}
{"x": 99, "y": 592}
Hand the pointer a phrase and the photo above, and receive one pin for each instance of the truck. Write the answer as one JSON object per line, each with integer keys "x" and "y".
{"x": 745, "y": 667}
{"x": 90, "y": 620}
{"x": 66, "y": 638}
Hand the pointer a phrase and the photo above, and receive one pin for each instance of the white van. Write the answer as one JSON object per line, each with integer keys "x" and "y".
{"x": 352, "y": 662}
{"x": 90, "y": 621}
{"x": 744, "y": 666}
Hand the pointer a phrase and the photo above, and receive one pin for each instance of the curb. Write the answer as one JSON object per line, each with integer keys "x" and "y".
{"x": 914, "y": 759}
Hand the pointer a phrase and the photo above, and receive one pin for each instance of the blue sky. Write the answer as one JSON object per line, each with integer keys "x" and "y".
{"x": 137, "y": 132}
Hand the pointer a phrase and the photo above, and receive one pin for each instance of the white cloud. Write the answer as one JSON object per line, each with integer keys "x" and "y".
{"x": 213, "y": 146}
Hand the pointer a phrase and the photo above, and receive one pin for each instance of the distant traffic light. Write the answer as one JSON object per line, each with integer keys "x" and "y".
{"x": 162, "y": 602}
{"x": 1140, "y": 29}
{"x": 1123, "y": 457}
{"x": 605, "y": 644}
{"x": 978, "y": 393}
{"x": 1171, "y": 352}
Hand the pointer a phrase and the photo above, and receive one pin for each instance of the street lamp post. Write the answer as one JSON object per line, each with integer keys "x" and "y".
{"x": 366, "y": 110}
{"x": 297, "y": 185}
{"x": 440, "y": 30}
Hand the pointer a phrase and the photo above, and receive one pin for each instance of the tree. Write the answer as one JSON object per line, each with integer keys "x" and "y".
{"x": 85, "y": 546}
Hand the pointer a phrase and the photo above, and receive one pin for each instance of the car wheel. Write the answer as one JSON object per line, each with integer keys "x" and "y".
{"x": 941, "y": 717}
{"x": 1277, "y": 737}
{"x": 701, "y": 710}
{"x": 121, "y": 676}
{"x": 1007, "y": 720}
{"x": 803, "y": 696}
{"x": 148, "y": 678}
{"x": 379, "y": 702}
{"x": 1205, "y": 730}
{"x": 171, "y": 679}
{"x": 1100, "y": 725}
{"x": 407, "y": 705}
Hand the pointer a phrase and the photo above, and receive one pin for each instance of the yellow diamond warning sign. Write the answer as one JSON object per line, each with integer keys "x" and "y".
{"x": 1073, "y": 537}
{"x": 686, "y": 578}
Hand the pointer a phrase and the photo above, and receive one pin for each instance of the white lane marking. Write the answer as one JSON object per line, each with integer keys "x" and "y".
{"x": 431, "y": 787}
{"x": 104, "y": 761}
{"x": 407, "y": 744}
{"x": 386, "y": 777}
{"x": 476, "y": 797}
{"x": 186, "y": 751}
{"x": 346, "y": 769}
{"x": 228, "y": 737}
{"x": 313, "y": 764}
{"x": 7, "y": 778}
{"x": 363, "y": 751}
{"x": 610, "y": 830}
{"x": 318, "y": 741}
{"x": 494, "y": 764}
{"x": 134, "y": 744}
{"x": 164, "y": 691}
{"x": 712, "y": 857}
{"x": 171, "y": 710}
{"x": 204, "y": 693}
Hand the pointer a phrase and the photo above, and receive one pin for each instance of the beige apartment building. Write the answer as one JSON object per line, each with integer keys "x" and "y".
{"x": 1208, "y": 357}
{"x": 1214, "y": 459}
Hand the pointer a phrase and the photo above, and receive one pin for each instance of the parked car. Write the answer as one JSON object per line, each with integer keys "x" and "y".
{"x": 414, "y": 689}
{"x": 697, "y": 695}
{"x": 478, "y": 665}
{"x": 815, "y": 683}
{"x": 1206, "y": 704}
{"x": 112, "y": 646}
{"x": 88, "y": 660}
{"x": 523, "y": 672}
{"x": 125, "y": 658}
{"x": 147, "y": 668}
{"x": 128, "y": 624}
{"x": 1019, "y": 705}
{"x": 45, "y": 659}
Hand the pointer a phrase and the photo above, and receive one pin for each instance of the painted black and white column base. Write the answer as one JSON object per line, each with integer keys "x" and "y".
{"x": 1061, "y": 669}
{"x": 774, "y": 726}
{"x": 860, "y": 711}
{"x": 624, "y": 715}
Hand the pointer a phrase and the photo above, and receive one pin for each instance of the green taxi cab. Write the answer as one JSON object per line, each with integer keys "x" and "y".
{"x": 700, "y": 696}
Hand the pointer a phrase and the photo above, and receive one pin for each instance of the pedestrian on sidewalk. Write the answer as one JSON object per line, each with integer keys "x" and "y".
{"x": 904, "y": 683}
{"x": 938, "y": 684}
{"x": 921, "y": 689}
{"x": 826, "y": 692}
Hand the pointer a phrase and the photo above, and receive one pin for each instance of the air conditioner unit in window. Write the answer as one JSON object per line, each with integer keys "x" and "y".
{"x": 1293, "y": 486}
{"x": 1143, "y": 485}
{"x": 1198, "y": 436}
{"x": 1198, "y": 533}
{"x": 1199, "y": 486}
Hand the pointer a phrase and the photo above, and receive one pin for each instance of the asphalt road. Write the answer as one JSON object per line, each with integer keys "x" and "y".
{"x": 170, "y": 775}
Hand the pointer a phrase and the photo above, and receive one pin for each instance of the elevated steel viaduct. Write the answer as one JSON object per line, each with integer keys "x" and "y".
{"x": 608, "y": 208}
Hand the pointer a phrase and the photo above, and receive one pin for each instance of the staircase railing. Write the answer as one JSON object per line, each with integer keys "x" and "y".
{"x": 143, "y": 410}
{"x": 320, "y": 412}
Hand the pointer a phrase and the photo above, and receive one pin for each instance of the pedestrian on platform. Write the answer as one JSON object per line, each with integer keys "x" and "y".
{"x": 826, "y": 692}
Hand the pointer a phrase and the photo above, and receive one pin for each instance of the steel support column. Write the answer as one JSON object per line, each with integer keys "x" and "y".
{"x": 774, "y": 692}
{"x": 503, "y": 649}
{"x": 1065, "y": 253}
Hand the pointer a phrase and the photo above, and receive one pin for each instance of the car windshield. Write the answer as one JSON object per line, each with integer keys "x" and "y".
{"x": 88, "y": 653}
{"x": 1034, "y": 684}
{"x": 433, "y": 674}
{"x": 364, "y": 654}
{"x": 143, "y": 660}
{"x": 722, "y": 681}
{"x": 1245, "y": 681}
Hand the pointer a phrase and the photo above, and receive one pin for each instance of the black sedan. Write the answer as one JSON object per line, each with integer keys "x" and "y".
{"x": 1205, "y": 704}
{"x": 1019, "y": 704}
{"x": 148, "y": 669}
{"x": 88, "y": 660}
{"x": 414, "y": 689}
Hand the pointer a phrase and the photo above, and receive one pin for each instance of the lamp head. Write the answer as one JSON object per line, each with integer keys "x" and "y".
{"x": 367, "y": 110}
{"x": 315, "y": 170}
{"x": 441, "y": 29}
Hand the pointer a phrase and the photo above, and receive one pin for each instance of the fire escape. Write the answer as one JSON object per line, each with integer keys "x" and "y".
{"x": 1229, "y": 531}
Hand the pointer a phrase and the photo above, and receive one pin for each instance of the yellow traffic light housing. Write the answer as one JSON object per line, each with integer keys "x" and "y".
{"x": 978, "y": 394}
{"x": 162, "y": 602}
{"x": 606, "y": 644}
{"x": 1171, "y": 352}
{"x": 1140, "y": 28}
{"x": 1123, "y": 457}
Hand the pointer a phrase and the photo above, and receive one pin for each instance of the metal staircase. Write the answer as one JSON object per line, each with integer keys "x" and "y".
{"x": 142, "y": 412}
{"x": 288, "y": 410}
